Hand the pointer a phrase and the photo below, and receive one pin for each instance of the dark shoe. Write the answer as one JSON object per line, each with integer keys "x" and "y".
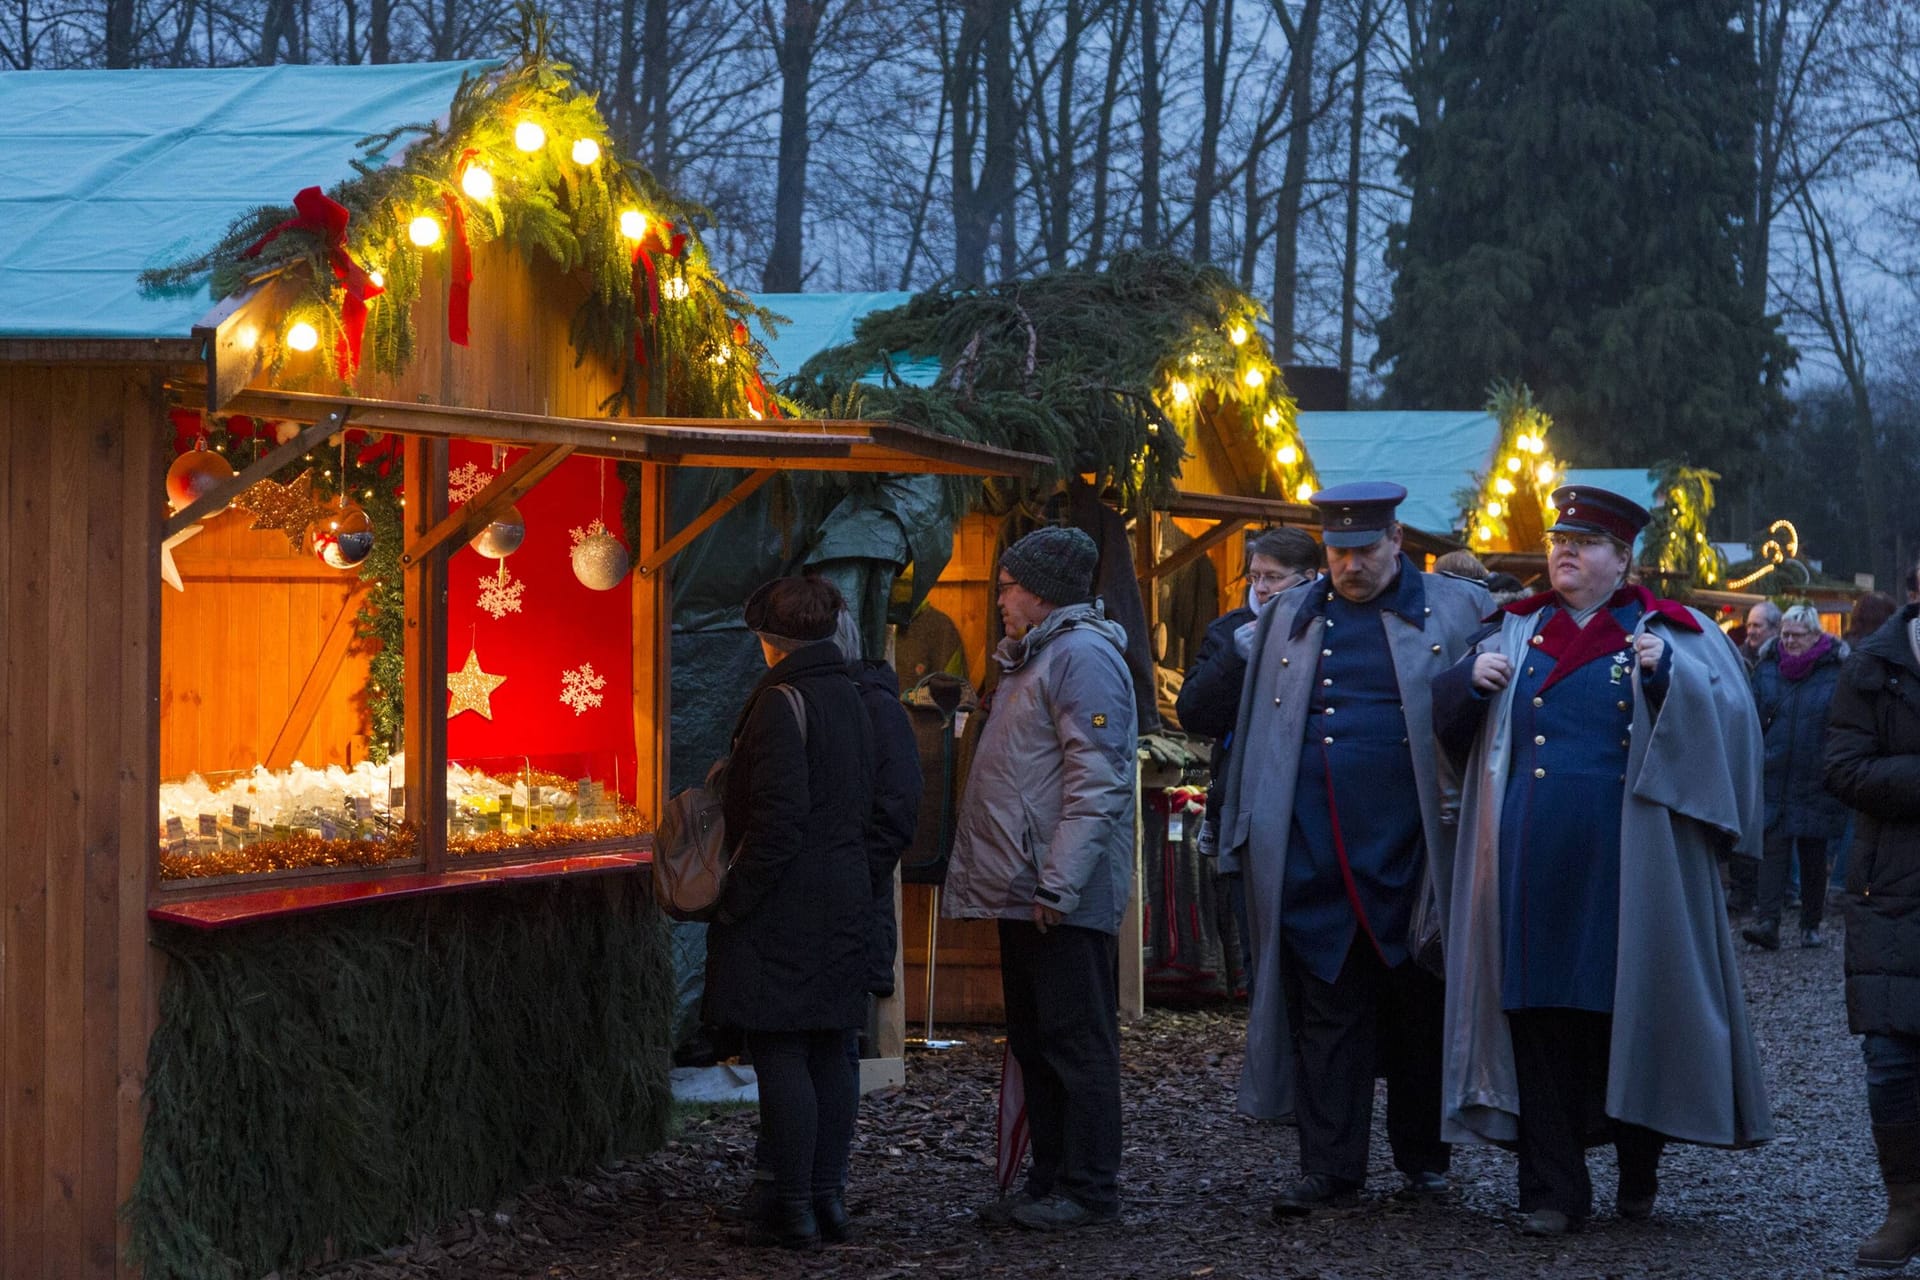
{"x": 1811, "y": 938}
{"x": 830, "y": 1211}
{"x": 789, "y": 1225}
{"x": 1634, "y": 1208}
{"x": 1549, "y": 1222}
{"x": 753, "y": 1206}
{"x": 1000, "y": 1212}
{"x": 1059, "y": 1213}
{"x": 1764, "y": 934}
{"x": 1898, "y": 1239}
{"x": 1315, "y": 1191}
{"x": 1426, "y": 1186}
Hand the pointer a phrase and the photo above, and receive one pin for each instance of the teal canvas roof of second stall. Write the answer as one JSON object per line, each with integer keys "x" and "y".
{"x": 104, "y": 174}
{"x": 817, "y": 321}
{"x": 1434, "y": 453}
{"x": 1629, "y": 482}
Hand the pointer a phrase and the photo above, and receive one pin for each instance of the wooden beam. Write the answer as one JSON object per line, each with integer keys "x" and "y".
{"x": 233, "y": 335}
{"x": 652, "y": 650}
{"x": 481, "y": 510}
{"x": 216, "y": 499}
{"x": 1194, "y": 550}
{"x": 173, "y": 351}
{"x": 326, "y": 665}
{"x": 701, "y": 523}
{"x": 424, "y": 647}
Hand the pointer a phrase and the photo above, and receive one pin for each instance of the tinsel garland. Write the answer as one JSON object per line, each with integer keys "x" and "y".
{"x": 302, "y": 852}
{"x": 327, "y": 1085}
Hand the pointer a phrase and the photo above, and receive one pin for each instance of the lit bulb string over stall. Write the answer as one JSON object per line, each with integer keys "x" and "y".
{"x": 566, "y": 679}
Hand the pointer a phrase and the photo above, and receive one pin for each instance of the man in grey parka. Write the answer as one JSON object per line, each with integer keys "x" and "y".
{"x": 1044, "y": 845}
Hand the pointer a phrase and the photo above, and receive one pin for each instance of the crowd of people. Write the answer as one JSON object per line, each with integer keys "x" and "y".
{"x": 1484, "y": 843}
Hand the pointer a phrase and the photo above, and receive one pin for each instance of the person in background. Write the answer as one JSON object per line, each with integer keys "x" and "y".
{"x": 1870, "y": 613}
{"x": 1277, "y": 560}
{"x": 1743, "y": 874}
{"x": 1044, "y": 847}
{"x": 1462, "y": 563}
{"x": 1792, "y": 686}
{"x": 1763, "y": 624}
{"x": 1611, "y": 752}
{"x": 789, "y": 955}
{"x": 1338, "y": 801}
{"x": 1873, "y": 766}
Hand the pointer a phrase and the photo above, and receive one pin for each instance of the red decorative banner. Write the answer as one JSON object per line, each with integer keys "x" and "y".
{"x": 460, "y": 269}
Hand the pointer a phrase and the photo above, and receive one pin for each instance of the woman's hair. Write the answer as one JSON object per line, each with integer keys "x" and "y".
{"x": 1804, "y": 614}
{"x": 1293, "y": 548}
{"x": 1462, "y": 564}
{"x": 793, "y": 611}
{"x": 1870, "y": 613}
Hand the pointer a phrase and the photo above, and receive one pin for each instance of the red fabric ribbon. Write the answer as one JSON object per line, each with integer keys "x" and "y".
{"x": 460, "y": 269}
{"x": 659, "y": 239}
{"x": 316, "y": 214}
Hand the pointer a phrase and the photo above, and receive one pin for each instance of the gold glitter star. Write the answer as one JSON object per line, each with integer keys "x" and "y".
{"x": 472, "y": 688}
{"x": 289, "y": 507}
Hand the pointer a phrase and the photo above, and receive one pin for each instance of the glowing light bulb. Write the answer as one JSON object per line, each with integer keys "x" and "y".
{"x": 529, "y": 136}
{"x": 1503, "y": 487}
{"x": 674, "y": 289}
{"x": 1254, "y": 377}
{"x": 1483, "y": 534}
{"x": 376, "y": 279}
{"x": 424, "y": 231}
{"x": 1180, "y": 391}
{"x": 1545, "y": 473}
{"x": 1513, "y": 464}
{"x": 633, "y": 224}
{"x": 477, "y": 182}
{"x": 1286, "y": 455}
{"x": 1493, "y": 510}
{"x": 1237, "y": 335}
{"x": 1270, "y": 419}
{"x": 585, "y": 151}
{"x": 303, "y": 336}
{"x": 1304, "y": 492}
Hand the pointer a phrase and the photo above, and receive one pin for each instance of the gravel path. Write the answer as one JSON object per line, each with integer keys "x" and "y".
{"x": 1197, "y": 1181}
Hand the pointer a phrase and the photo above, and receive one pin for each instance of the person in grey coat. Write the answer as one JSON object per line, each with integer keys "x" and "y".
{"x": 1044, "y": 846}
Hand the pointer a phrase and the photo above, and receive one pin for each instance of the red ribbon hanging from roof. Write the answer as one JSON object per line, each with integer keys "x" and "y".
{"x": 646, "y": 278}
{"x": 327, "y": 219}
{"x": 460, "y": 270}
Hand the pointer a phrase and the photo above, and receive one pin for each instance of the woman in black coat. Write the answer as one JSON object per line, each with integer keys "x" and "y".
{"x": 1873, "y": 764}
{"x": 788, "y": 956}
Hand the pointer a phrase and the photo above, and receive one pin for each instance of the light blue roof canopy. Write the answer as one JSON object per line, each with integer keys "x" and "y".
{"x": 1629, "y": 482}
{"x": 823, "y": 320}
{"x": 104, "y": 174}
{"x": 1433, "y": 453}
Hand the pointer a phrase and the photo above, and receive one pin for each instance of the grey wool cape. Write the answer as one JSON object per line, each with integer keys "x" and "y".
{"x": 1682, "y": 1060}
{"x": 1257, "y": 822}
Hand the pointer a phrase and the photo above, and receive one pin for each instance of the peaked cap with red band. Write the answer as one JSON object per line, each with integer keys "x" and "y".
{"x": 1581, "y": 508}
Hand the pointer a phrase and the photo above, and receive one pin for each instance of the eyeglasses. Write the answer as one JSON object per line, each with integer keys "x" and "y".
{"x": 1003, "y": 586}
{"x": 1274, "y": 579}
{"x": 1575, "y": 541}
{"x": 1796, "y": 635}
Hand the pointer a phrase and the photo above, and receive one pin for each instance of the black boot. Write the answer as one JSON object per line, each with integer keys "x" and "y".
{"x": 790, "y": 1225}
{"x": 830, "y": 1211}
{"x": 1764, "y": 934}
{"x": 755, "y": 1205}
{"x": 1898, "y": 1238}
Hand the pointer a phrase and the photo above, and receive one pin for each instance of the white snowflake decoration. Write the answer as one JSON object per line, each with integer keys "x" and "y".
{"x": 594, "y": 526}
{"x": 580, "y": 687}
{"x": 499, "y": 593}
{"x": 466, "y": 480}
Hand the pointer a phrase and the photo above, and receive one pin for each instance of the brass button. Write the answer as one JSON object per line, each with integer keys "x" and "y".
{"x": 1623, "y": 706}
{"x": 1326, "y": 680}
{"x": 1283, "y": 662}
{"x": 1539, "y": 702}
{"x": 1276, "y": 702}
{"x": 1326, "y": 653}
{"x": 1538, "y": 640}
{"x": 1328, "y": 741}
{"x": 1539, "y": 740}
{"x": 1529, "y": 670}
{"x": 1436, "y": 648}
{"x": 1329, "y": 710}
{"x": 1539, "y": 773}
{"x": 1427, "y": 610}
{"x": 1626, "y": 742}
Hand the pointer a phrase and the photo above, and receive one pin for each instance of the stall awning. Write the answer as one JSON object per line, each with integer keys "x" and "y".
{"x": 1233, "y": 512}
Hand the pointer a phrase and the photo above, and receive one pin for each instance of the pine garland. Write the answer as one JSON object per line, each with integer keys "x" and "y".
{"x": 1486, "y": 505}
{"x": 1675, "y": 542}
{"x": 333, "y": 1083}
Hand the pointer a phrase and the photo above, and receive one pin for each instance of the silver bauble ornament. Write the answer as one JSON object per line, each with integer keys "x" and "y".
{"x": 600, "y": 561}
{"x": 343, "y": 537}
{"x": 503, "y": 537}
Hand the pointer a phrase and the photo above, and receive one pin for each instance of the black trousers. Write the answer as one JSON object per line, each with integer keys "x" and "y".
{"x": 809, "y": 1096}
{"x": 1370, "y": 1021}
{"x": 1560, "y": 1061}
{"x": 1812, "y": 851}
{"x": 1063, "y": 1027}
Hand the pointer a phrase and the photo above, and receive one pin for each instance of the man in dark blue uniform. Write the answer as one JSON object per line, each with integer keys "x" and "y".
{"x": 1336, "y": 795}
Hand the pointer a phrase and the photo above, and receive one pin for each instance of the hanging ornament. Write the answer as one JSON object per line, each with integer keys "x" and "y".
{"x": 289, "y": 507}
{"x": 471, "y": 688}
{"x": 600, "y": 561}
{"x": 194, "y": 474}
{"x": 169, "y": 571}
{"x": 503, "y": 537}
{"x": 343, "y": 538}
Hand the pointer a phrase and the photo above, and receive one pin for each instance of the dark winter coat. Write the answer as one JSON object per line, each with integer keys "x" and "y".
{"x": 896, "y": 806}
{"x": 1793, "y": 715}
{"x": 1210, "y": 695}
{"x": 790, "y": 950}
{"x": 1873, "y": 764}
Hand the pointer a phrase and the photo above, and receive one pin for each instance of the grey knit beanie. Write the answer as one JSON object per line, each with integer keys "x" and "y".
{"x": 1055, "y": 564}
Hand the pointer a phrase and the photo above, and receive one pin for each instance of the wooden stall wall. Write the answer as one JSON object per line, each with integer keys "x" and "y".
{"x": 80, "y": 467}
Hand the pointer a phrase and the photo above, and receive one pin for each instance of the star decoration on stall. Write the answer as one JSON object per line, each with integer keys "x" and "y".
{"x": 472, "y": 689}
{"x": 288, "y": 508}
{"x": 580, "y": 688}
{"x": 169, "y": 571}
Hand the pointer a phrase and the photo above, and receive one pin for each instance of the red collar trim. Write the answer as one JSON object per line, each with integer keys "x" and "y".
{"x": 1671, "y": 610}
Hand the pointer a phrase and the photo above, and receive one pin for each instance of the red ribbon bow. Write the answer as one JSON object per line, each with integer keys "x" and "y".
{"x": 327, "y": 219}
{"x": 646, "y": 278}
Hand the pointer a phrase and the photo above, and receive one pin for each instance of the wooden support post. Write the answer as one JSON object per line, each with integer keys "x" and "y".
{"x": 1186, "y": 555}
{"x": 667, "y": 550}
{"x": 1133, "y": 966}
{"x": 652, "y": 652}
{"x": 424, "y": 585}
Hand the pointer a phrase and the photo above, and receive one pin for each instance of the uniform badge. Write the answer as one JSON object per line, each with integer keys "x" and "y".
{"x": 1100, "y": 720}
{"x": 1622, "y": 663}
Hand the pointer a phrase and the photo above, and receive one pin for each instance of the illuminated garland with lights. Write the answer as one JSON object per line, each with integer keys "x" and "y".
{"x": 1778, "y": 554}
{"x": 524, "y": 155}
{"x": 1240, "y": 372}
{"x": 1675, "y": 543}
{"x": 1523, "y": 470}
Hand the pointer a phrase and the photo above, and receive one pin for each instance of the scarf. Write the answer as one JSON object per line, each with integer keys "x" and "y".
{"x": 1795, "y": 666}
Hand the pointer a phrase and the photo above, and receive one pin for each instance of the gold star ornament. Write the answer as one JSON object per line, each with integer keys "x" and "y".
{"x": 472, "y": 689}
{"x": 289, "y": 507}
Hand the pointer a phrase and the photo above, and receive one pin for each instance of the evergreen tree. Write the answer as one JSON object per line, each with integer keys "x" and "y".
{"x": 1576, "y": 224}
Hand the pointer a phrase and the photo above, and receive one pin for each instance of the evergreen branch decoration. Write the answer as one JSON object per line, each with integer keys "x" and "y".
{"x": 1676, "y": 542}
{"x": 1523, "y": 471}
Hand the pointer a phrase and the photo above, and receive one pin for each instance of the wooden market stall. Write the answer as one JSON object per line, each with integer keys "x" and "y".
{"x": 235, "y": 1042}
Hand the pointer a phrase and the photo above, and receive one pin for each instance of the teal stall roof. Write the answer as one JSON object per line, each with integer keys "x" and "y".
{"x": 1434, "y": 454}
{"x": 818, "y": 321}
{"x": 104, "y": 174}
{"x": 1629, "y": 482}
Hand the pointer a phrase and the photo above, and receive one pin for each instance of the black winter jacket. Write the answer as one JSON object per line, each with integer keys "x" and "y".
{"x": 790, "y": 950}
{"x": 1209, "y": 698}
{"x": 1793, "y": 714}
{"x": 896, "y": 806}
{"x": 1873, "y": 764}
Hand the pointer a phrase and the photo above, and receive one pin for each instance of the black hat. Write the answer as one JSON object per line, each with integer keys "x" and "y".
{"x": 1056, "y": 564}
{"x": 1581, "y": 508}
{"x": 1358, "y": 514}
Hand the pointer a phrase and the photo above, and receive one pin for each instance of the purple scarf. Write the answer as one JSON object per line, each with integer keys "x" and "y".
{"x": 1794, "y": 666}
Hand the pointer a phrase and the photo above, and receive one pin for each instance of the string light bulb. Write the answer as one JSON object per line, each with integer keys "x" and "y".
{"x": 1545, "y": 473}
{"x": 1304, "y": 492}
{"x": 585, "y": 151}
{"x": 1493, "y": 510}
{"x": 633, "y": 224}
{"x": 529, "y": 136}
{"x": 302, "y": 336}
{"x": 375, "y": 278}
{"x": 1271, "y": 418}
{"x": 1483, "y": 534}
{"x": 1286, "y": 455}
{"x": 477, "y": 182}
{"x": 1180, "y": 391}
{"x": 424, "y": 231}
{"x": 1513, "y": 464}
{"x": 1254, "y": 377}
{"x": 1503, "y": 487}
{"x": 1237, "y": 335}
